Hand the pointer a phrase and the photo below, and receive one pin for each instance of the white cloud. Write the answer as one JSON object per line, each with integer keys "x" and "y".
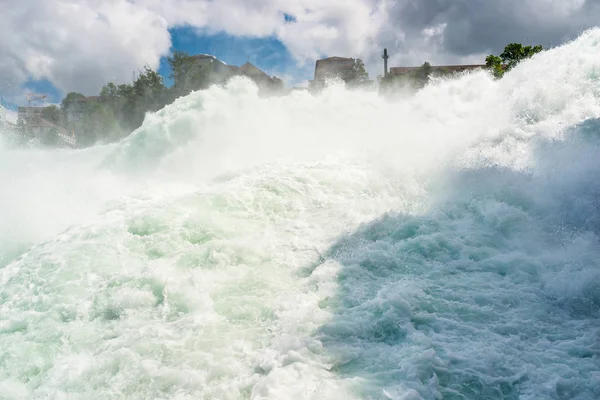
{"x": 82, "y": 44}
{"x": 78, "y": 44}
{"x": 319, "y": 27}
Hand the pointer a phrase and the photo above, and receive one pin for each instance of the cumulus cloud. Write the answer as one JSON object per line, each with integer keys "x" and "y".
{"x": 78, "y": 45}
{"x": 467, "y": 30}
{"x": 81, "y": 44}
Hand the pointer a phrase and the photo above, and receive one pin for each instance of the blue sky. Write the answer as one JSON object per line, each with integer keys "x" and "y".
{"x": 269, "y": 54}
{"x": 107, "y": 39}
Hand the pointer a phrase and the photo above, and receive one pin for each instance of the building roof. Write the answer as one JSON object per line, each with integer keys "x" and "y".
{"x": 325, "y": 65}
{"x": 404, "y": 70}
{"x": 207, "y": 57}
{"x": 336, "y": 58}
{"x": 251, "y": 69}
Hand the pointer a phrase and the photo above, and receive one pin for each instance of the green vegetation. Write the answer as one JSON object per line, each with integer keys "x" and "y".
{"x": 411, "y": 81}
{"x": 513, "y": 54}
{"x": 53, "y": 115}
{"x": 188, "y": 74}
{"x": 416, "y": 79}
{"x": 357, "y": 76}
{"x": 119, "y": 110}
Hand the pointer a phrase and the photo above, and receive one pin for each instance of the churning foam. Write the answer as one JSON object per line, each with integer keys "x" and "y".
{"x": 339, "y": 246}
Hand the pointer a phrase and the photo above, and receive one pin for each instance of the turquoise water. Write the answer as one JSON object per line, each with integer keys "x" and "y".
{"x": 443, "y": 246}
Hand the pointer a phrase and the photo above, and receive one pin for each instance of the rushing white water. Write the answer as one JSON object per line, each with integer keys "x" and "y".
{"x": 339, "y": 246}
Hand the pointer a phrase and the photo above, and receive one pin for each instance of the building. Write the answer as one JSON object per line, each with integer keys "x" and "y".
{"x": 261, "y": 78}
{"x": 216, "y": 66}
{"x": 397, "y": 71}
{"x": 32, "y": 118}
{"x": 25, "y": 114}
{"x": 331, "y": 66}
{"x": 75, "y": 109}
{"x": 327, "y": 67}
{"x": 222, "y": 72}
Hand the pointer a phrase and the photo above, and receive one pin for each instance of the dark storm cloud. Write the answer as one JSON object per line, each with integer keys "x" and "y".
{"x": 480, "y": 26}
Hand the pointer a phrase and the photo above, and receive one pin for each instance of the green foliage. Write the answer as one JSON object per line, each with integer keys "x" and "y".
{"x": 126, "y": 105}
{"x": 179, "y": 62}
{"x": 411, "y": 81}
{"x": 109, "y": 92}
{"x": 53, "y": 114}
{"x": 121, "y": 109}
{"x": 188, "y": 74}
{"x": 356, "y": 76}
{"x": 98, "y": 125}
{"x": 516, "y": 52}
{"x": 71, "y": 98}
{"x": 422, "y": 74}
{"x": 513, "y": 54}
{"x": 494, "y": 63}
{"x": 149, "y": 85}
{"x": 148, "y": 95}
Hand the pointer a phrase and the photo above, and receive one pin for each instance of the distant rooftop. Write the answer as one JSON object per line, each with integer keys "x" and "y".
{"x": 208, "y": 56}
{"x": 328, "y": 65}
{"x": 336, "y": 58}
{"x": 455, "y": 68}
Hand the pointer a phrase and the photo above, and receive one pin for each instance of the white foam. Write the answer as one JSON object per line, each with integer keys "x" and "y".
{"x": 217, "y": 252}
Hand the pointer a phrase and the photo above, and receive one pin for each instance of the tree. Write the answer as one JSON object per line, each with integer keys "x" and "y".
{"x": 513, "y": 54}
{"x": 422, "y": 74}
{"x": 53, "y": 114}
{"x": 128, "y": 104}
{"x": 148, "y": 94}
{"x": 109, "y": 92}
{"x": 188, "y": 74}
{"x": 413, "y": 81}
{"x": 98, "y": 124}
{"x": 179, "y": 63}
{"x": 120, "y": 108}
{"x": 357, "y": 75}
{"x": 71, "y": 98}
{"x": 494, "y": 63}
{"x": 197, "y": 77}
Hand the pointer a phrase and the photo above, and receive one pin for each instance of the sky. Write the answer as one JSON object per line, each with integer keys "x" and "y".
{"x": 58, "y": 46}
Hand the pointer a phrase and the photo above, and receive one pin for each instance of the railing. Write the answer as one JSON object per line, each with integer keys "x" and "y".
{"x": 70, "y": 140}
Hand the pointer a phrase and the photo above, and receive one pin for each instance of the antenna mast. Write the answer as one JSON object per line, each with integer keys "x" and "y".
{"x": 385, "y": 62}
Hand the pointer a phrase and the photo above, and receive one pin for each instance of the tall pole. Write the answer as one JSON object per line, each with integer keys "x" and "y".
{"x": 385, "y": 58}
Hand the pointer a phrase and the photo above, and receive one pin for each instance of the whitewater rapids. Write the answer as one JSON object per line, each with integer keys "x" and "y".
{"x": 441, "y": 246}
